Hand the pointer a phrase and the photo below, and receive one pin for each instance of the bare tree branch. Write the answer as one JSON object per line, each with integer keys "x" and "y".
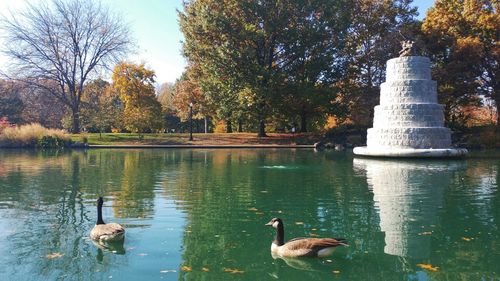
{"x": 65, "y": 41}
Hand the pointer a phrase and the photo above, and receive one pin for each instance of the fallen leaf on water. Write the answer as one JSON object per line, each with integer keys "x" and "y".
{"x": 313, "y": 235}
{"x": 205, "y": 269}
{"x": 299, "y": 223}
{"x": 466, "y": 239}
{"x": 233, "y": 270}
{"x": 54, "y": 256}
{"x": 425, "y": 233}
{"x": 314, "y": 229}
{"x": 186, "y": 268}
{"x": 429, "y": 267}
{"x": 253, "y": 209}
{"x": 329, "y": 261}
{"x": 264, "y": 191}
{"x": 336, "y": 271}
{"x": 168, "y": 270}
{"x": 280, "y": 212}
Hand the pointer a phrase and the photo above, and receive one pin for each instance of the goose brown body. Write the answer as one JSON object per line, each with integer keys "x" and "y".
{"x": 106, "y": 232}
{"x": 302, "y": 247}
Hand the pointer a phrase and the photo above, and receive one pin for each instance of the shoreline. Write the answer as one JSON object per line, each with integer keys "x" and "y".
{"x": 184, "y": 146}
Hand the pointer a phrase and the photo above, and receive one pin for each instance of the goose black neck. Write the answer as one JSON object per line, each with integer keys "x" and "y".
{"x": 280, "y": 235}
{"x": 99, "y": 214}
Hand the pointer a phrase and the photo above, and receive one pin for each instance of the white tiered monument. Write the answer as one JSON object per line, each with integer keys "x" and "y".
{"x": 409, "y": 122}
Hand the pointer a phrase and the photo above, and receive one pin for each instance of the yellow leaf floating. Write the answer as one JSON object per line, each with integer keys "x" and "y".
{"x": 299, "y": 223}
{"x": 428, "y": 267}
{"x": 336, "y": 271}
{"x": 186, "y": 268}
{"x": 313, "y": 235}
{"x": 425, "y": 233}
{"x": 466, "y": 239}
{"x": 253, "y": 209}
{"x": 233, "y": 270}
{"x": 54, "y": 256}
{"x": 205, "y": 269}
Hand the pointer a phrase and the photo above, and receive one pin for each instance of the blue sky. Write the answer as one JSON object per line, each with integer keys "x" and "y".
{"x": 156, "y": 32}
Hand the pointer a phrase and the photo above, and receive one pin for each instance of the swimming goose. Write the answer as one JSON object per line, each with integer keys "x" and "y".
{"x": 106, "y": 232}
{"x": 301, "y": 247}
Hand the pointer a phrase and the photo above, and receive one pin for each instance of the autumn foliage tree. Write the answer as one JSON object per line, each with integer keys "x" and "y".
{"x": 135, "y": 86}
{"x": 102, "y": 108}
{"x": 463, "y": 40}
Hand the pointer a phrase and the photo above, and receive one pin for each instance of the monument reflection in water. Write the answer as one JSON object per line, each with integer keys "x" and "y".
{"x": 408, "y": 195}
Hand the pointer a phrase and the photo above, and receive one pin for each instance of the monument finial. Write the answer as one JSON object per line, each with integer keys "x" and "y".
{"x": 407, "y": 48}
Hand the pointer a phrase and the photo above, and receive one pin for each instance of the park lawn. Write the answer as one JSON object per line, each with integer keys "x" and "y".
{"x": 198, "y": 139}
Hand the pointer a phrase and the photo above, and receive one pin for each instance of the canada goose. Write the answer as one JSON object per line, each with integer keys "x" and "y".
{"x": 105, "y": 232}
{"x": 301, "y": 247}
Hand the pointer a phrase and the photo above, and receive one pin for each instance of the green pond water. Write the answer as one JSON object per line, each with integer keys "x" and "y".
{"x": 200, "y": 215}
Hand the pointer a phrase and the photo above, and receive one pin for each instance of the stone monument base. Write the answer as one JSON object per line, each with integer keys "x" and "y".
{"x": 410, "y": 152}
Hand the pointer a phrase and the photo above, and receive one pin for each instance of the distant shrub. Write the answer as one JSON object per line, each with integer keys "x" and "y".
{"x": 33, "y": 135}
{"x": 4, "y": 123}
{"x": 51, "y": 142}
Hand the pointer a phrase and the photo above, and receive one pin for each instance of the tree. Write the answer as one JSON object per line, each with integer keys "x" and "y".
{"x": 312, "y": 61}
{"x": 166, "y": 95}
{"x": 41, "y": 106}
{"x": 374, "y": 36}
{"x": 463, "y": 40}
{"x": 135, "y": 86}
{"x": 11, "y": 104}
{"x": 102, "y": 108}
{"x": 65, "y": 41}
{"x": 247, "y": 53}
{"x": 188, "y": 91}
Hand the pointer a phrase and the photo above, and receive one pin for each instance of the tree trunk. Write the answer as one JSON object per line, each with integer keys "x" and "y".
{"x": 206, "y": 124}
{"x": 75, "y": 125}
{"x": 229, "y": 128}
{"x": 303, "y": 121}
{"x": 262, "y": 129}
{"x": 240, "y": 125}
{"x": 497, "y": 104}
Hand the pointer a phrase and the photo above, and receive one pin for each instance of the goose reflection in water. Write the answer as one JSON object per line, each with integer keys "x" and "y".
{"x": 407, "y": 195}
{"x": 306, "y": 264}
{"x": 116, "y": 248}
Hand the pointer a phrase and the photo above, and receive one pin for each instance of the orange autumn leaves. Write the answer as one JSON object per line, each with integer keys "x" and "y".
{"x": 135, "y": 85}
{"x": 428, "y": 267}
